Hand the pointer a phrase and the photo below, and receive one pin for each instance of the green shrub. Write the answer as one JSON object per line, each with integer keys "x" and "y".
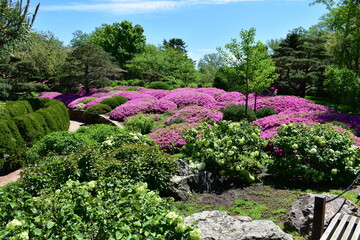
{"x": 32, "y": 127}
{"x": 236, "y": 113}
{"x": 315, "y": 154}
{"x": 56, "y": 143}
{"x": 4, "y": 113}
{"x": 265, "y": 112}
{"x": 159, "y": 85}
{"x": 140, "y": 123}
{"x": 19, "y": 108}
{"x": 229, "y": 149}
{"x": 175, "y": 121}
{"x": 12, "y": 145}
{"x": 113, "y": 102}
{"x": 105, "y": 209}
{"x": 100, "y": 132}
{"x": 126, "y": 138}
{"x": 91, "y": 113}
{"x": 146, "y": 164}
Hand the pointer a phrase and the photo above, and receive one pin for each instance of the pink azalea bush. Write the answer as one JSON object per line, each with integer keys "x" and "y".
{"x": 211, "y": 91}
{"x": 131, "y": 95}
{"x": 196, "y": 114}
{"x": 157, "y": 93}
{"x": 184, "y": 97}
{"x": 138, "y": 105}
{"x": 75, "y": 104}
{"x": 170, "y": 138}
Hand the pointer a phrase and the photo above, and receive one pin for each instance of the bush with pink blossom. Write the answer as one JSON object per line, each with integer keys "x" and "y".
{"x": 170, "y": 138}
{"x": 157, "y": 93}
{"x": 186, "y": 97}
{"x": 196, "y": 114}
{"x": 211, "y": 91}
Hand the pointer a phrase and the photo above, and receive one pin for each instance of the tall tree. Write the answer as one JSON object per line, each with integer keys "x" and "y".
{"x": 167, "y": 62}
{"x": 343, "y": 21}
{"x": 79, "y": 37}
{"x": 121, "y": 40}
{"x": 88, "y": 65}
{"x": 301, "y": 60}
{"x": 175, "y": 43}
{"x": 209, "y": 64}
{"x": 252, "y": 62}
{"x": 15, "y": 21}
{"x": 45, "y": 51}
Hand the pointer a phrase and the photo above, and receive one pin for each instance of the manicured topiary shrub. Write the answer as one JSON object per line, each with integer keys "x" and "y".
{"x": 317, "y": 153}
{"x": 4, "y": 113}
{"x": 236, "y": 113}
{"x": 94, "y": 111}
{"x": 19, "y": 108}
{"x": 230, "y": 149}
{"x": 140, "y": 123}
{"x": 113, "y": 102}
{"x": 108, "y": 208}
{"x": 12, "y": 145}
{"x": 265, "y": 112}
{"x": 159, "y": 85}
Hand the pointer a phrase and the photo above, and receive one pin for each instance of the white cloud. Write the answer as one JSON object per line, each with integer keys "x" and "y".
{"x": 133, "y": 6}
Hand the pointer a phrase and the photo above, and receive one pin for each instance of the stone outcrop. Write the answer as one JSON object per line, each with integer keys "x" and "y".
{"x": 216, "y": 225}
{"x": 300, "y": 216}
{"x": 188, "y": 181}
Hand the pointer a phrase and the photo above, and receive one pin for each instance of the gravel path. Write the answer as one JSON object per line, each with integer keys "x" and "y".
{"x": 11, "y": 177}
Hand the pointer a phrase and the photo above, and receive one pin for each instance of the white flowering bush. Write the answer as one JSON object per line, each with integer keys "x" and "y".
{"x": 231, "y": 149}
{"x": 321, "y": 152}
{"x": 104, "y": 209}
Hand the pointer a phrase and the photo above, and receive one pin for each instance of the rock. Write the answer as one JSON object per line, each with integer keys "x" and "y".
{"x": 188, "y": 181}
{"x": 216, "y": 225}
{"x": 300, "y": 216}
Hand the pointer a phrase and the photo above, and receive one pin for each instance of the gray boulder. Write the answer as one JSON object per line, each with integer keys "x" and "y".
{"x": 216, "y": 225}
{"x": 300, "y": 216}
{"x": 188, "y": 181}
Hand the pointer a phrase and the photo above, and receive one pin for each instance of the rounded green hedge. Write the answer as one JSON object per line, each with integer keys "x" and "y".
{"x": 91, "y": 113}
{"x": 236, "y": 113}
{"x": 159, "y": 85}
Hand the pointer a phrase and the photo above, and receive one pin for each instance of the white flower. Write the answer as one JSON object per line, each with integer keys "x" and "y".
{"x": 92, "y": 184}
{"x": 24, "y": 235}
{"x": 195, "y": 234}
{"x": 108, "y": 142}
{"x": 313, "y": 151}
{"x": 141, "y": 187}
{"x": 254, "y": 154}
{"x": 295, "y": 146}
{"x": 172, "y": 216}
{"x": 230, "y": 153}
{"x": 13, "y": 224}
{"x": 180, "y": 228}
{"x": 201, "y": 166}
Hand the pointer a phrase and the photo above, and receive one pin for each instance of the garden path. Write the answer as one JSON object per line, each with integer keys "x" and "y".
{"x": 11, "y": 177}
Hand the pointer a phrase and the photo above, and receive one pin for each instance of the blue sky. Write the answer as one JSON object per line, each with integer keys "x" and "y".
{"x": 203, "y": 24}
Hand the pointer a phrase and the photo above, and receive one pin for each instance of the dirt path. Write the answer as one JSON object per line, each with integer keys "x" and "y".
{"x": 11, "y": 177}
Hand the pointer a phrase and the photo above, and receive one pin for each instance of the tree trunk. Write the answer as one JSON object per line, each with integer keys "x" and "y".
{"x": 255, "y": 101}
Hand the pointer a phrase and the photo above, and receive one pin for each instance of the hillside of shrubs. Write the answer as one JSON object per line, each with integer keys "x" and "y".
{"x": 70, "y": 179}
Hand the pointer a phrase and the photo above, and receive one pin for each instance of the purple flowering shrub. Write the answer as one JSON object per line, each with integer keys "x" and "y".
{"x": 196, "y": 114}
{"x": 131, "y": 95}
{"x": 170, "y": 138}
{"x": 139, "y": 105}
{"x": 50, "y": 95}
{"x": 314, "y": 153}
{"x": 186, "y": 97}
{"x": 211, "y": 91}
{"x": 157, "y": 93}
{"x": 77, "y": 102}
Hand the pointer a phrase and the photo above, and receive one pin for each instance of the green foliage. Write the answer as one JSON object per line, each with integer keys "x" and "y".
{"x": 237, "y": 113}
{"x": 121, "y": 40}
{"x": 315, "y": 154}
{"x": 91, "y": 113}
{"x": 19, "y": 108}
{"x": 228, "y": 148}
{"x": 32, "y": 127}
{"x": 159, "y": 85}
{"x": 88, "y": 65}
{"x": 265, "y": 112}
{"x": 155, "y": 63}
{"x": 113, "y": 102}
{"x": 175, "y": 43}
{"x": 175, "y": 121}
{"x": 57, "y": 143}
{"x": 344, "y": 126}
{"x": 209, "y": 65}
{"x": 15, "y": 21}
{"x": 344, "y": 86}
{"x": 100, "y": 132}
{"x": 140, "y": 123}
{"x": 254, "y": 67}
{"x": 105, "y": 209}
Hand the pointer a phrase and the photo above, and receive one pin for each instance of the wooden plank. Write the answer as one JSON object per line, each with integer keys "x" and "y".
{"x": 319, "y": 217}
{"x": 340, "y": 228}
{"x": 330, "y": 228}
{"x": 356, "y": 234}
{"x": 349, "y": 228}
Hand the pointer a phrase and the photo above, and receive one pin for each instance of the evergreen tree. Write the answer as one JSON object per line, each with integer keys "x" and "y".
{"x": 301, "y": 60}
